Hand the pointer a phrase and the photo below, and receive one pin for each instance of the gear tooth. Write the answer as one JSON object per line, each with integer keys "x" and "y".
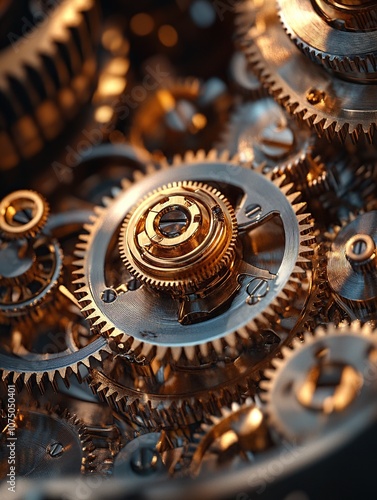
{"x": 125, "y": 184}
{"x": 176, "y": 353}
{"x": 106, "y": 201}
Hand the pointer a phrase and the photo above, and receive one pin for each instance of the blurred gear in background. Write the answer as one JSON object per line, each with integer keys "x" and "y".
{"x": 188, "y": 239}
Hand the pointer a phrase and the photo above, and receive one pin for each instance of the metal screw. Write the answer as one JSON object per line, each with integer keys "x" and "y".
{"x": 109, "y": 295}
{"x": 315, "y": 96}
{"x": 144, "y": 461}
{"x": 55, "y": 450}
{"x": 277, "y": 140}
{"x": 253, "y": 211}
{"x": 256, "y": 289}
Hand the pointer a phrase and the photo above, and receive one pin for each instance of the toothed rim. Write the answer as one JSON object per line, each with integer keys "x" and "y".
{"x": 100, "y": 323}
{"x": 202, "y": 274}
{"x": 340, "y": 63}
{"x": 329, "y": 127}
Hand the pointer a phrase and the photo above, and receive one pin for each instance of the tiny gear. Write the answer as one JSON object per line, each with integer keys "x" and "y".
{"x": 322, "y": 383}
{"x": 334, "y": 107}
{"x": 23, "y": 214}
{"x": 30, "y": 261}
{"x": 352, "y": 266}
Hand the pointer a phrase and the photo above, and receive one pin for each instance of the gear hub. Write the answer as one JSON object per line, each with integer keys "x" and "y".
{"x": 179, "y": 236}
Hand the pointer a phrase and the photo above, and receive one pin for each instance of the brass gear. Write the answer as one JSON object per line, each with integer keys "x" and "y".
{"x": 237, "y": 434}
{"x": 23, "y": 214}
{"x": 179, "y": 236}
{"x": 333, "y": 107}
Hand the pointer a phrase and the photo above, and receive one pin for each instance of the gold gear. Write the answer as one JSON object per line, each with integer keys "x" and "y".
{"x": 23, "y": 214}
{"x": 179, "y": 236}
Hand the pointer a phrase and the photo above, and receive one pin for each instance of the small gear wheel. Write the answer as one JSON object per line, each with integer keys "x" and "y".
{"x": 263, "y": 134}
{"x": 179, "y": 236}
{"x": 352, "y": 266}
{"x": 23, "y": 214}
{"x": 323, "y": 382}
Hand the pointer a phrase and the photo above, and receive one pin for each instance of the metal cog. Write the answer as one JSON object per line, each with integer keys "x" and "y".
{"x": 139, "y": 239}
{"x": 322, "y": 382}
{"x": 333, "y": 107}
{"x": 23, "y": 214}
{"x": 30, "y": 273}
{"x": 49, "y": 75}
{"x": 350, "y": 53}
{"x": 38, "y": 353}
{"x": 351, "y": 268}
{"x": 146, "y": 342}
{"x": 262, "y": 133}
{"x": 50, "y": 441}
{"x": 237, "y": 435}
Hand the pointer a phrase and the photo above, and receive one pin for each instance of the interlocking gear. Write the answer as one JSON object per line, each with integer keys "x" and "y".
{"x": 333, "y": 107}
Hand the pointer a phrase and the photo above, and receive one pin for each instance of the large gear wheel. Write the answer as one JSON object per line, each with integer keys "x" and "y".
{"x": 104, "y": 305}
{"x": 334, "y": 107}
{"x": 49, "y": 74}
{"x": 323, "y": 382}
{"x": 156, "y": 365}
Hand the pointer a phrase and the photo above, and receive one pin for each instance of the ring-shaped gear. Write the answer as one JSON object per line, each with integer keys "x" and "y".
{"x": 40, "y": 271}
{"x": 23, "y": 214}
{"x": 351, "y": 54}
{"x": 179, "y": 236}
{"x": 254, "y": 303}
{"x": 333, "y": 107}
{"x": 319, "y": 383}
{"x": 50, "y": 441}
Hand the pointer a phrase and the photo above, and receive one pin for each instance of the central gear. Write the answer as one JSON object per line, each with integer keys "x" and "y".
{"x": 236, "y": 305}
{"x": 179, "y": 237}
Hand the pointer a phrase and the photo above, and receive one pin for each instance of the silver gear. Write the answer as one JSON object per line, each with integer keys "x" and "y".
{"x": 323, "y": 382}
